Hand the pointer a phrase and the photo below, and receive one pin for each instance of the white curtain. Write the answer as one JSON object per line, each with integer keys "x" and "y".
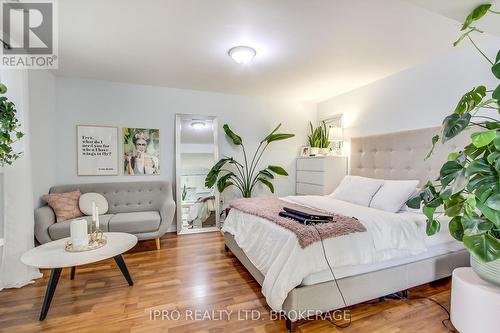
{"x": 17, "y": 194}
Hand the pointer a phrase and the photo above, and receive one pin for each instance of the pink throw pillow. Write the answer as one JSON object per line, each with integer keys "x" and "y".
{"x": 65, "y": 205}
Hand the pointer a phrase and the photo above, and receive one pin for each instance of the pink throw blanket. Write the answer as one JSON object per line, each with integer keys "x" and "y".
{"x": 269, "y": 208}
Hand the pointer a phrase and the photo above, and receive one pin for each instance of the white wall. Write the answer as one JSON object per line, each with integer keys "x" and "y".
{"x": 92, "y": 102}
{"x": 44, "y": 131}
{"x": 419, "y": 97}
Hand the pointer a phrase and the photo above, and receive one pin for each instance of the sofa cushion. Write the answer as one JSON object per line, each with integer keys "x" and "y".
{"x": 65, "y": 205}
{"x": 136, "y": 222}
{"x": 61, "y": 229}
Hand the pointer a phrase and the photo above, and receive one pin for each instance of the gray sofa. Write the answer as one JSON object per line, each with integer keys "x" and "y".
{"x": 145, "y": 209}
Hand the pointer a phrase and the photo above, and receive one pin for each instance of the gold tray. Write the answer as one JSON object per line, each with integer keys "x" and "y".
{"x": 93, "y": 245}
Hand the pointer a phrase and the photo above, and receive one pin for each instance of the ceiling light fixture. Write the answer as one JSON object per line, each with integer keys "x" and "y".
{"x": 242, "y": 54}
{"x": 198, "y": 124}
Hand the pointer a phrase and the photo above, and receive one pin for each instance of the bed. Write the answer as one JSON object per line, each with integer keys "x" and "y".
{"x": 297, "y": 281}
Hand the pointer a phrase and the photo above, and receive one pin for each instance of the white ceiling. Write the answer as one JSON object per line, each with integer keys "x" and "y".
{"x": 307, "y": 50}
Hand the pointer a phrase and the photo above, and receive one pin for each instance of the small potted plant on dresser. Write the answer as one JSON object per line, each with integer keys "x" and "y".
{"x": 469, "y": 182}
{"x": 318, "y": 139}
{"x": 314, "y": 139}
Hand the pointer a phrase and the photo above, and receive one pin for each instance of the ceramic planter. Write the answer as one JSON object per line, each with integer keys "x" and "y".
{"x": 487, "y": 271}
{"x": 314, "y": 151}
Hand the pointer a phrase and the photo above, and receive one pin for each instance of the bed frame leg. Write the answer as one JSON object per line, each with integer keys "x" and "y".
{"x": 226, "y": 248}
{"x": 404, "y": 294}
{"x": 381, "y": 299}
{"x": 290, "y": 325}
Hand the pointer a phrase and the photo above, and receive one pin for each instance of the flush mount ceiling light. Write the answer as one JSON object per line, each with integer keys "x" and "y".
{"x": 242, "y": 54}
{"x": 198, "y": 124}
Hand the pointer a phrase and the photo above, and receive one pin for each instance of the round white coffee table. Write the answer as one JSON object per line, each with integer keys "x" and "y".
{"x": 53, "y": 256}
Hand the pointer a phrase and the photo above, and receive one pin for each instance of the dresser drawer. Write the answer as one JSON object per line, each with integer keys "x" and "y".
{"x": 303, "y": 188}
{"x": 311, "y": 177}
{"x": 311, "y": 164}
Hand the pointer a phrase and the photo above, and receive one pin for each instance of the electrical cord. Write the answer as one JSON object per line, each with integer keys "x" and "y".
{"x": 444, "y": 321}
{"x": 335, "y": 279}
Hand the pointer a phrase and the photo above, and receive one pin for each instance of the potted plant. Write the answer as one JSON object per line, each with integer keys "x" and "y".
{"x": 245, "y": 176}
{"x": 9, "y": 130}
{"x": 469, "y": 184}
{"x": 324, "y": 142}
{"x": 314, "y": 139}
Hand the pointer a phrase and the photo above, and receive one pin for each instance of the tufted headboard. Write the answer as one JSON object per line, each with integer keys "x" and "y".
{"x": 400, "y": 155}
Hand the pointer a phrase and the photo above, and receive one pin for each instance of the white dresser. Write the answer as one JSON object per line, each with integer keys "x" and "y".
{"x": 319, "y": 175}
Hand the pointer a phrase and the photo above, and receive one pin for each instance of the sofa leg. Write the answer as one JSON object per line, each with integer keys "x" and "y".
{"x": 291, "y": 326}
{"x": 158, "y": 243}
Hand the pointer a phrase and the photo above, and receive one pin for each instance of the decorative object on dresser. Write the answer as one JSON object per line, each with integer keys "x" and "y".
{"x": 318, "y": 139}
{"x": 97, "y": 149}
{"x": 468, "y": 183}
{"x": 320, "y": 175}
{"x": 145, "y": 209}
{"x": 52, "y": 255}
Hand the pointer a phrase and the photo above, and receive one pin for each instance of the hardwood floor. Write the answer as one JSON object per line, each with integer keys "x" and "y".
{"x": 190, "y": 272}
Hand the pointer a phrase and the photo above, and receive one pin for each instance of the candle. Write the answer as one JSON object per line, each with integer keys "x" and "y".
{"x": 93, "y": 210}
{"x": 97, "y": 217}
{"x": 78, "y": 233}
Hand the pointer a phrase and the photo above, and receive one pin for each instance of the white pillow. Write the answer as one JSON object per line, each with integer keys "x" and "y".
{"x": 85, "y": 203}
{"x": 393, "y": 194}
{"x": 357, "y": 190}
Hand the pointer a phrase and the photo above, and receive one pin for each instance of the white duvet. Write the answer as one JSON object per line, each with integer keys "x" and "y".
{"x": 275, "y": 251}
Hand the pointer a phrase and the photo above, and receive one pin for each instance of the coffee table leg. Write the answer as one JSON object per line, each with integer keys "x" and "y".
{"x": 73, "y": 271}
{"x": 121, "y": 263}
{"x": 49, "y": 293}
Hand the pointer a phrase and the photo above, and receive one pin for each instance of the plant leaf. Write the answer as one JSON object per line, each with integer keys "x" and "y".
{"x": 454, "y": 124}
{"x": 449, "y": 172}
{"x": 475, "y": 15}
{"x": 266, "y": 173}
{"x": 432, "y": 227}
{"x": 414, "y": 202}
{"x": 490, "y": 214}
{"x": 3, "y": 88}
{"x": 456, "y": 229}
{"x": 279, "y": 136}
{"x": 496, "y": 94}
{"x": 479, "y": 166}
{"x": 233, "y": 136}
{"x": 278, "y": 170}
{"x": 481, "y": 139}
{"x": 485, "y": 247}
{"x": 273, "y": 131}
{"x": 267, "y": 183}
{"x": 435, "y": 139}
{"x": 224, "y": 182}
{"x": 493, "y": 201}
{"x": 495, "y": 69}
{"x": 213, "y": 174}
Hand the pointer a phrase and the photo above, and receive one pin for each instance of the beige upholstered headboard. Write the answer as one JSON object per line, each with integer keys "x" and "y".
{"x": 400, "y": 155}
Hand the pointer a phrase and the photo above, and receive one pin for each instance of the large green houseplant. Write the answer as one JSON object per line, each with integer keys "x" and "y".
{"x": 469, "y": 184}
{"x": 244, "y": 176}
{"x": 9, "y": 129}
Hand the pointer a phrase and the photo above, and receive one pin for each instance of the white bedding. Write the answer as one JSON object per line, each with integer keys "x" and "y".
{"x": 275, "y": 251}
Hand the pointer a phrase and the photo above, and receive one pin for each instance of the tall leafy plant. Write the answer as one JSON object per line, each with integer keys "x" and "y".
{"x": 469, "y": 184}
{"x": 9, "y": 129}
{"x": 244, "y": 176}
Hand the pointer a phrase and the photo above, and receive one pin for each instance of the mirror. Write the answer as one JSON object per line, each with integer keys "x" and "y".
{"x": 196, "y": 153}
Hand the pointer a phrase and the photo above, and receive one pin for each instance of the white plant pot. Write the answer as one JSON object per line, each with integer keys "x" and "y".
{"x": 324, "y": 151}
{"x": 487, "y": 271}
{"x": 314, "y": 151}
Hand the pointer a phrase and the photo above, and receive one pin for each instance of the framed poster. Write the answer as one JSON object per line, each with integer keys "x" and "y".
{"x": 141, "y": 149}
{"x": 97, "y": 150}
